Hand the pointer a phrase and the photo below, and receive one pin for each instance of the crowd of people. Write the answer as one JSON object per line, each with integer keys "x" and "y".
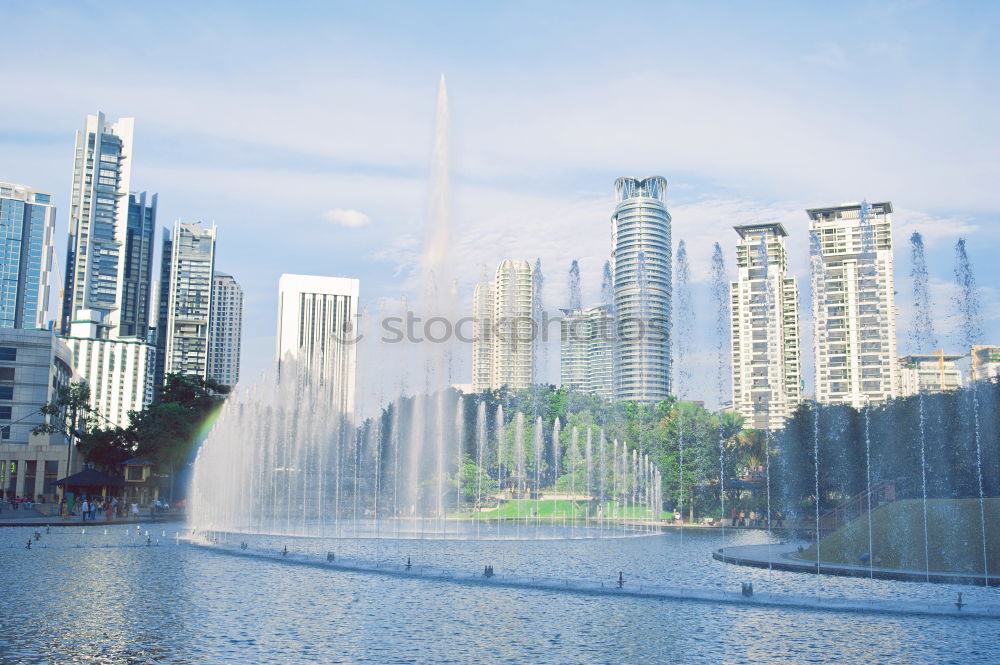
{"x": 15, "y": 502}
{"x": 755, "y": 519}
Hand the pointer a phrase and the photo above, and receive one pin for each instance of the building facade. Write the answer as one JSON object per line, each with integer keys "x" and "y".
{"x": 34, "y": 365}
{"x": 854, "y": 310}
{"x": 137, "y": 275}
{"x": 225, "y": 329}
{"x": 27, "y": 228}
{"x": 985, "y": 362}
{"x": 119, "y": 371}
{"x": 586, "y": 359}
{"x": 98, "y": 220}
{"x": 503, "y": 324}
{"x": 929, "y": 373}
{"x": 185, "y": 300}
{"x": 641, "y": 258}
{"x": 764, "y": 309}
{"x": 317, "y": 328}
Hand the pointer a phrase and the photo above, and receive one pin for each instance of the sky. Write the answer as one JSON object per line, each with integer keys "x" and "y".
{"x": 305, "y": 129}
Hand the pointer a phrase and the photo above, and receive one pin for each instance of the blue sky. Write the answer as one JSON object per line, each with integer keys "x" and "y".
{"x": 267, "y": 117}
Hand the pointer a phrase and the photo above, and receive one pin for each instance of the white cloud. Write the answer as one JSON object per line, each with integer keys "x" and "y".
{"x": 349, "y": 218}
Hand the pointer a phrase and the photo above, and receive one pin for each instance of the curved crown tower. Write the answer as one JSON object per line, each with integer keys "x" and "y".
{"x": 641, "y": 257}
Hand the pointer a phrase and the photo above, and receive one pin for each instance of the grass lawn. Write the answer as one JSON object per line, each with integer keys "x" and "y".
{"x": 552, "y": 509}
{"x": 955, "y": 540}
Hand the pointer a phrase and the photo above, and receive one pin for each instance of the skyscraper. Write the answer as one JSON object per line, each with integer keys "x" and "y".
{"x": 27, "y": 223}
{"x": 317, "y": 319}
{"x": 98, "y": 247}
{"x": 185, "y": 306}
{"x": 504, "y": 329}
{"x": 225, "y": 329}
{"x": 641, "y": 259}
{"x": 764, "y": 328}
{"x": 586, "y": 351}
{"x": 854, "y": 308}
{"x": 137, "y": 275}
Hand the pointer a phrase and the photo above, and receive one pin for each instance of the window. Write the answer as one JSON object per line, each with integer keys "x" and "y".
{"x": 8, "y": 353}
{"x": 6, "y": 392}
{"x": 6, "y": 373}
{"x": 5, "y": 432}
{"x": 5, "y": 412}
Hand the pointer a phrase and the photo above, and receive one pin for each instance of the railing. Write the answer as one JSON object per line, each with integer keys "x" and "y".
{"x": 880, "y": 494}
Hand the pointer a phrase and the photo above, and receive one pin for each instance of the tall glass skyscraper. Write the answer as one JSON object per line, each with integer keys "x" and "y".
{"x": 110, "y": 249}
{"x": 641, "y": 259}
{"x": 27, "y": 223}
{"x": 137, "y": 277}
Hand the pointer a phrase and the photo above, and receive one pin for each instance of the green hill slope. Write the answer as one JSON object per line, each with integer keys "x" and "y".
{"x": 955, "y": 542}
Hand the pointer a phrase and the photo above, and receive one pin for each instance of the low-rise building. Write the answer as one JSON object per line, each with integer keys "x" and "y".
{"x": 34, "y": 365}
{"x": 929, "y": 373}
{"x": 985, "y": 362}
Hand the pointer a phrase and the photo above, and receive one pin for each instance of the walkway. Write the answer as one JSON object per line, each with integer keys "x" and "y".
{"x": 781, "y": 557}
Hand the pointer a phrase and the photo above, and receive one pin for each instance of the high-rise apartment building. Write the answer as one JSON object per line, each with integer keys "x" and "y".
{"x": 854, "y": 310}
{"x": 641, "y": 259}
{"x": 137, "y": 275}
{"x": 929, "y": 373}
{"x": 27, "y": 226}
{"x": 225, "y": 329}
{"x": 504, "y": 329}
{"x": 119, "y": 370}
{"x": 586, "y": 347}
{"x": 98, "y": 246}
{"x": 764, "y": 305}
{"x": 482, "y": 335}
{"x": 317, "y": 329}
{"x": 185, "y": 300}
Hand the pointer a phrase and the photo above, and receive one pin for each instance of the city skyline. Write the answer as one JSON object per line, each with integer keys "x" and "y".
{"x": 329, "y": 186}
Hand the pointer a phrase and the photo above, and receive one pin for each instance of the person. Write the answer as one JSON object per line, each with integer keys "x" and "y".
{"x": 743, "y": 518}
{"x": 677, "y": 516}
{"x": 734, "y": 517}
{"x": 135, "y": 510}
{"x": 84, "y": 509}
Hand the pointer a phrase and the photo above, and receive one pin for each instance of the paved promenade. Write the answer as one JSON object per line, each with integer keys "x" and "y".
{"x": 22, "y": 517}
{"x": 781, "y": 557}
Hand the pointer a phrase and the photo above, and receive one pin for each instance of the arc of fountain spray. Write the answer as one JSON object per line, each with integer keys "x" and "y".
{"x": 556, "y": 464}
{"x": 685, "y": 322}
{"x": 575, "y": 297}
{"x": 923, "y": 340}
{"x": 769, "y": 315}
{"x": 538, "y": 445}
{"x": 501, "y": 438}
{"x": 519, "y": 467}
{"x": 818, "y": 272}
{"x": 480, "y": 446}
{"x": 539, "y": 349}
{"x": 967, "y": 304}
{"x": 589, "y": 453}
{"x": 720, "y": 296}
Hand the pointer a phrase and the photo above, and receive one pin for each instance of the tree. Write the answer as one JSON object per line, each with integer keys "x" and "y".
{"x": 164, "y": 432}
{"x": 70, "y": 414}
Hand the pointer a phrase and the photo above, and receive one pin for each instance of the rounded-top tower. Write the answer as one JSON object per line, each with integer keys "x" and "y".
{"x": 641, "y": 259}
